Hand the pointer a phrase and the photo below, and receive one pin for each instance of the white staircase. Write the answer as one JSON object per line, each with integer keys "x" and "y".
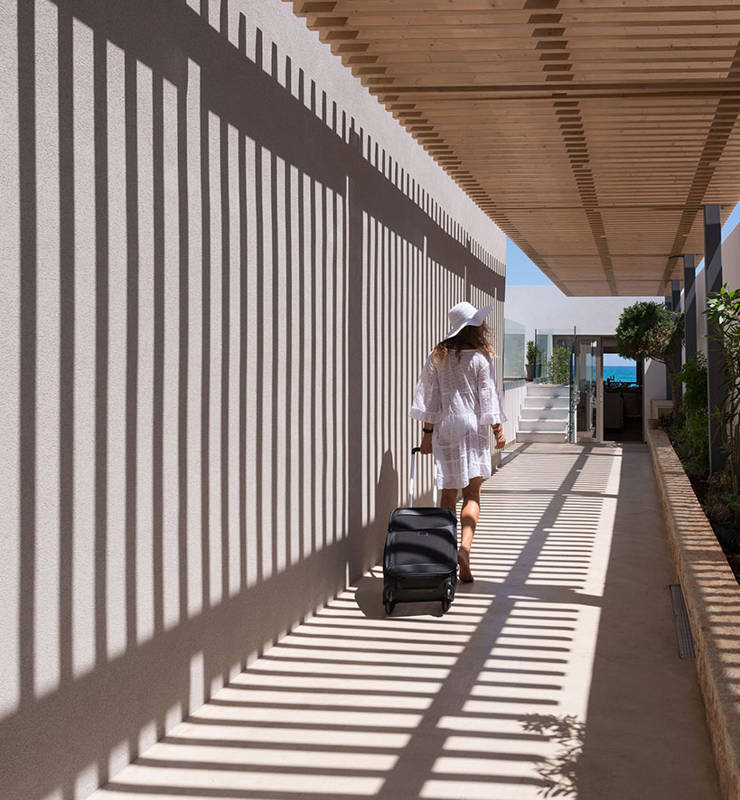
{"x": 544, "y": 415}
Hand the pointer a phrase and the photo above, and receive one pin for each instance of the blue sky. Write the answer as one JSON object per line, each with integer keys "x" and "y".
{"x": 522, "y": 271}
{"x": 614, "y": 360}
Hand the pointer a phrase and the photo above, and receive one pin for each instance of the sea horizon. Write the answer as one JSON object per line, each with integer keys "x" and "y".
{"x": 621, "y": 374}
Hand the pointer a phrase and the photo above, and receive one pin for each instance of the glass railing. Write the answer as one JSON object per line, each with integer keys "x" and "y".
{"x": 550, "y": 342}
{"x": 570, "y": 358}
{"x": 542, "y": 341}
{"x": 514, "y": 346}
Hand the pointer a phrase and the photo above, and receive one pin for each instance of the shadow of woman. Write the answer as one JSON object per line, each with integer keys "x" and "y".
{"x": 369, "y": 594}
{"x": 370, "y": 585}
{"x": 369, "y": 597}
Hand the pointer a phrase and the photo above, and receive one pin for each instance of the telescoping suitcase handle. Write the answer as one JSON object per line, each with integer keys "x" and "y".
{"x": 414, "y": 451}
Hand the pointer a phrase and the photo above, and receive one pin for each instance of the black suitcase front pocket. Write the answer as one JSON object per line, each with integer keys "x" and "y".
{"x": 424, "y": 551}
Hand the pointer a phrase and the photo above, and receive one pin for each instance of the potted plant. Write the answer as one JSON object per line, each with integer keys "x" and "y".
{"x": 532, "y": 353}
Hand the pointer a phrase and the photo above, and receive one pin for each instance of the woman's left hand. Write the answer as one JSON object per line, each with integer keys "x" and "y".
{"x": 500, "y": 439}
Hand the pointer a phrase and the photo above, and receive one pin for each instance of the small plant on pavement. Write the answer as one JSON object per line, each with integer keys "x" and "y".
{"x": 559, "y": 773}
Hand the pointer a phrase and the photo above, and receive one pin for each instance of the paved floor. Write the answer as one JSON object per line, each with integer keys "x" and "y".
{"x": 555, "y": 674}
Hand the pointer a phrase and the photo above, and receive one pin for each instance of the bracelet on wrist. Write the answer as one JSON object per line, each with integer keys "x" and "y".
{"x": 428, "y": 430}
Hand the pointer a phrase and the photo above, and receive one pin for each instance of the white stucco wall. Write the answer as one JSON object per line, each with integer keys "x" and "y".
{"x": 701, "y": 317}
{"x": 731, "y": 259}
{"x": 512, "y": 398}
{"x": 654, "y": 388}
{"x": 214, "y": 302}
{"x": 546, "y": 308}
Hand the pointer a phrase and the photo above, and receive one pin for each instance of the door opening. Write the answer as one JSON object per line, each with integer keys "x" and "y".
{"x": 623, "y": 392}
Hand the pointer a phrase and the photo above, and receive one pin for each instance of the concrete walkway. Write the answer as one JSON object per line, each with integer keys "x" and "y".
{"x": 555, "y": 673}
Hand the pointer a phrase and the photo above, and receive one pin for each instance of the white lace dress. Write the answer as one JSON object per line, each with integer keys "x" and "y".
{"x": 459, "y": 397}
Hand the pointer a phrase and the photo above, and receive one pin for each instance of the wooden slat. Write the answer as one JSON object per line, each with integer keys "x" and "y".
{"x": 591, "y": 132}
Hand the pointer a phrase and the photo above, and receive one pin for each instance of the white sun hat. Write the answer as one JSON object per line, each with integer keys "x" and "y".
{"x": 465, "y": 314}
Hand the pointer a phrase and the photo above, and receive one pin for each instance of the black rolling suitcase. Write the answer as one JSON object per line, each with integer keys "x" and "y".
{"x": 420, "y": 556}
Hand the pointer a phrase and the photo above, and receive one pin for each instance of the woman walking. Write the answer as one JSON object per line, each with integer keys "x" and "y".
{"x": 458, "y": 404}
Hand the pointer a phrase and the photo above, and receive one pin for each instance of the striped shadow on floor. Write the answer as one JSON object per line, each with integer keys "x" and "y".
{"x": 488, "y": 702}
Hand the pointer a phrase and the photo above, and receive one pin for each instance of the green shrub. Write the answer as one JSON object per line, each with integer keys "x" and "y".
{"x": 689, "y": 431}
{"x": 558, "y": 367}
{"x": 719, "y": 492}
{"x": 723, "y": 309}
{"x": 691, "y": 443}
{"x": 728, "y": 536}
{"x": 670, "y": 423}
{"x": 693, "y": 374}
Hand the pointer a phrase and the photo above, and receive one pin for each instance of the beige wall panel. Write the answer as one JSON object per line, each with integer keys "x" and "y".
{"x": 113, "y": 465}
{"x": 216, "y": 301}
{"x": 11, "y": 288}
{"x": 47, "y": 601}
{"x": 82, "y": 374}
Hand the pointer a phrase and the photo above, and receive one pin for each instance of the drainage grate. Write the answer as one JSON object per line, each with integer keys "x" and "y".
{"x": 683, "y": 628}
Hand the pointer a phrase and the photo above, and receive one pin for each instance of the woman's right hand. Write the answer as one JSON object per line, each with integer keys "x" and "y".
{"x": 426, "y": 444}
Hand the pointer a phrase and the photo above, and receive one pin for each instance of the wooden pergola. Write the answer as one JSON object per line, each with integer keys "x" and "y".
{"x": 592, "y": 132}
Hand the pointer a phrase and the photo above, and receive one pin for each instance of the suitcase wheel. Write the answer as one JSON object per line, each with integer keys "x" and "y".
{"x": 447, "y": 599}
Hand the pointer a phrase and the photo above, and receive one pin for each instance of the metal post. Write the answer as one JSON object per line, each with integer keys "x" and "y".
{"x": 689, "y": 303}
{"x": 676, "y": 305}
{"x": 600, "y": 389}
{"x": 715, "y": 388}
{"x": 668, "y": 389}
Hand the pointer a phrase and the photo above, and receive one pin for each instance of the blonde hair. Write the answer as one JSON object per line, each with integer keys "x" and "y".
{"x": 471, "y": 337}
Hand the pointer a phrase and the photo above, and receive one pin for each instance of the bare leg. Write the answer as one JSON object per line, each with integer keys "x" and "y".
{"x": 468, "y": 520}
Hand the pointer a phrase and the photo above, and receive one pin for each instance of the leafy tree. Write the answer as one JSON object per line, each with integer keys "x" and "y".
{"x": 652, "y": 330}
{"x": 532, "y": 352}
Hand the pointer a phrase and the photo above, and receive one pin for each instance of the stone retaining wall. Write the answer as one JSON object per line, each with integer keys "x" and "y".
{"x": 713, "y": 600}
